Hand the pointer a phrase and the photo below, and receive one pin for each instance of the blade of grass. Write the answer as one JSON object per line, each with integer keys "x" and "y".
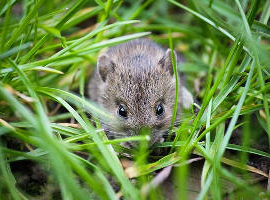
{"x": 102, "y": 178}
{"x": 72, "y": 11}
{"x": 229, "y": 146}
{"x": 236, "y": 114}
{"x": 229, "y": 87}
{"x": 48, "y": 145}
{"x": 80, "y": 52}
{"x": 6, "y": 6}
{"x": 8, "y": 177}
{"x": 232, "y": 177}
{"x": 81, "y": 17}
{"x": 23, "y": 25}
{"x": 110, "y": 156}
{"x": 91, "y": 34}
{"x": 257, "y": 61}
{"x": 6, "y": 24}
{"x": 176, "y": 83}
{"x": 44, "y": 127}
{"x": 206, "y": 20}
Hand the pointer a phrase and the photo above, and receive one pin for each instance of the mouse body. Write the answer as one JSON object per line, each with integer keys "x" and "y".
{"x": 135, "y": 83}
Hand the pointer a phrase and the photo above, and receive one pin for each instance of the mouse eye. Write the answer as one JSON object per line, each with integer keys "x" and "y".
{"x": 122, "y": 111}
{"x": 160, "y": 110}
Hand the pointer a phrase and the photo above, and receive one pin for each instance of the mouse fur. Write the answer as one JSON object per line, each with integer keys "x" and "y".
{"x": 139, "y": 76}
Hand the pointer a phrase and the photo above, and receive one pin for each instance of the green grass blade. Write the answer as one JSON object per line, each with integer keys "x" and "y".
{"x": 236, "y": 114}
{"x": 23, "y": 25}
{"x": 176, "y": 83}
{"x": 108, "y": 154}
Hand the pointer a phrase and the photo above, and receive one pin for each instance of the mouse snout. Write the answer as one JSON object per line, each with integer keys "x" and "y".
{"x": 142, "y": 120}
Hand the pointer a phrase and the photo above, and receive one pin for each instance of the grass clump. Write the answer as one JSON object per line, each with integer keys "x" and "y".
{"x": 49, "y": 50}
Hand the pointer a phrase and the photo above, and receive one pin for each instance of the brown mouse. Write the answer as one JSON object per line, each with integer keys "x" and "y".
{"x": 134, "y": 82}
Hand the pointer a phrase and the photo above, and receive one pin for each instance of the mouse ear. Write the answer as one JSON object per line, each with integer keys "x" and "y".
{"x": 105, "y": 65}
{"x": 166, "y": 61}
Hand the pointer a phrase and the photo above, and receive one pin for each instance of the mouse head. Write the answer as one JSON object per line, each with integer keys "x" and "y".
{"x": 140, "y": 91}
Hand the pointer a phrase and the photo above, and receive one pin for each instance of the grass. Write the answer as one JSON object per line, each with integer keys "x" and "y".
{"x": 49, "y": 50}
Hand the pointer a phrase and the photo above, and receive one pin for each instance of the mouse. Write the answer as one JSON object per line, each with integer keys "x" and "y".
{"x": 135, "y": 82}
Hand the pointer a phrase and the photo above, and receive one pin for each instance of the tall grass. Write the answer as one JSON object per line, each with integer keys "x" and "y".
{"x": 49, "y": 50}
